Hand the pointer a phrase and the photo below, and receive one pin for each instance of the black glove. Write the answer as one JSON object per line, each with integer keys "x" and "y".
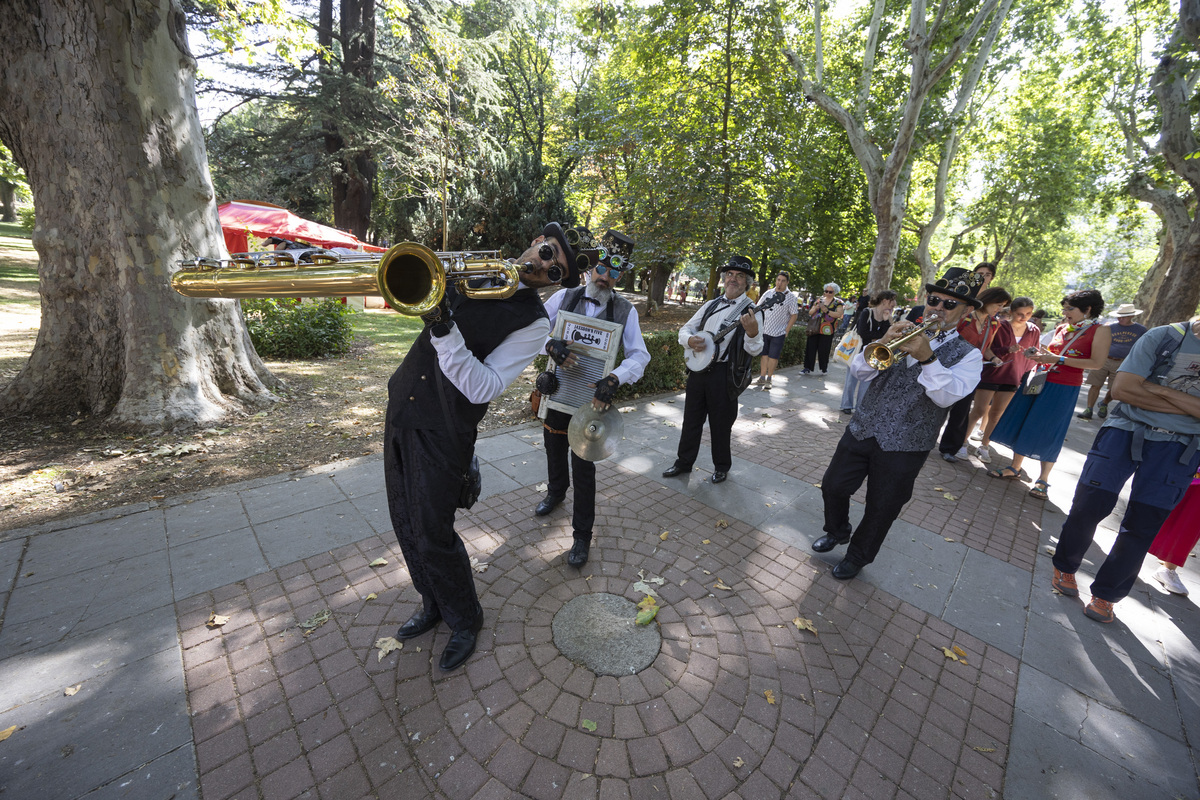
{"x": 606, "y": 388}
{"x": 439, "y": 319}
{"x": 557, "y": 348}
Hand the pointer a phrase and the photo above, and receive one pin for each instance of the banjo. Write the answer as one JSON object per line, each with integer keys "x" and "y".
{"x": 700, "y": 360}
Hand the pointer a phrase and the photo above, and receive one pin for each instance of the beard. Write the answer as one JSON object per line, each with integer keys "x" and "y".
{"x": 600, "y": 295}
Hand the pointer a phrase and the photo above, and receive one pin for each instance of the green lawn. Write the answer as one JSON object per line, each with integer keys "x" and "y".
{"x": 394, "y": 333}
{"x": 15, "y": 231}
{"x": 18, "y": 286}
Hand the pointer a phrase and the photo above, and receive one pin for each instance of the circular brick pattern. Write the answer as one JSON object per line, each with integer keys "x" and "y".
{"x": 599, "y": 631}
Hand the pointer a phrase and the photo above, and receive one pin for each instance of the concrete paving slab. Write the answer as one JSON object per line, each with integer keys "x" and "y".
{"x": 374, "y": 509}
{"x": 298, "y": 536}
{"x": 203, "y": 517}
{"x": 358, "y": 478}
{"x": 74, "y": 550}
{"x": 285, "y": 499}
{"x": 202, "y": 565}
{"x": 172, "y": 775}
{"x": 1159, "y": 759}
{"x": 10, "y": 558}
{"x": 116, "y": 723}
{"x": 510, "y": 444}
{"x": 1043, "y": 764}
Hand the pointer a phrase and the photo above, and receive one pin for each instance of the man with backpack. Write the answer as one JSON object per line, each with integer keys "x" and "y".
{"x": 712, "y": 392}
{"x": 1151, "y": 436}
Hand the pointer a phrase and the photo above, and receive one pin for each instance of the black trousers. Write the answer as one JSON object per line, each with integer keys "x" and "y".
{"x": 708, "y": 398}
{"x": 423, "y": 476}
{"x": 816, "y": 349}
{"x": 554, "y": 434}
{"x": 890, "y": 477}
{"x": 954, "y": 435}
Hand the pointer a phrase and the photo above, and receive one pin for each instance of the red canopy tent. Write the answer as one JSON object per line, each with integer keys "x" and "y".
{"x": 242, "y": 218}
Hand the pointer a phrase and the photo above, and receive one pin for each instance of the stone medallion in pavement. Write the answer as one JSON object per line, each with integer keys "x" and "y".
{"x": 600, "y": 631}
{"x": 738, "y": 701}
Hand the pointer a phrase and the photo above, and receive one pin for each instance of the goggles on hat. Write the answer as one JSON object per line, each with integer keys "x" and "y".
{"x": 612, "y": 258}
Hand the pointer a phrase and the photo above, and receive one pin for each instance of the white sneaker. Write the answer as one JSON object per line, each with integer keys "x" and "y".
{"x": 962, "y": 452}
{"x": 977, "y": 436}
{"x": 1169, "y": 578}
{"x": 983, "y": 454}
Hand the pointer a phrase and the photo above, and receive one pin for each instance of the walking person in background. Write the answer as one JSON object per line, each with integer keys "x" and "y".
{"x": 1176, "y": 538}
{"x": 777, "y": 322}
{"x": 978, "y": 328}
{"x": 1125, "y": 332}
{"x": 872, "y": 322}
{"x": 1035, "y": 425}
{"x": 1000, "y": 381}
{"x": 823, "y": 316}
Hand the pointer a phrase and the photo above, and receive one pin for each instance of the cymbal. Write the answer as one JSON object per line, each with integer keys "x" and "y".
{"x": 592, "y": 434}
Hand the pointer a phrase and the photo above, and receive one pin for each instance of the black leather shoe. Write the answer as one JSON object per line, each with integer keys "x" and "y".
{"x": 676, "y": 470}
{"x": 827, "y": 543}
{"x": 579, "y": 551}
{"x": 718, "y": 477}
{"x": 458, "y": 650}
{"x": 419, "y": 623}
{"x": 844, "y": 570}
{"x": 950, "y": 458}
{"x": 548, "y": 504}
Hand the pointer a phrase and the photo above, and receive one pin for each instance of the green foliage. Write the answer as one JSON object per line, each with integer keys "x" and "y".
{"x": 26, "y": 219}
{"x": 291, "y": 329}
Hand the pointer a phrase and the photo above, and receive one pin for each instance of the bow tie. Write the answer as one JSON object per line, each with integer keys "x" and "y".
{"x": 941, "y": 337}
{"x": 725, "y": 301}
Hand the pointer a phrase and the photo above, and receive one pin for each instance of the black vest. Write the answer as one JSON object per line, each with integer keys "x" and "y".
{"x": 616, "y": 311}
{"x": 413, "y": 397}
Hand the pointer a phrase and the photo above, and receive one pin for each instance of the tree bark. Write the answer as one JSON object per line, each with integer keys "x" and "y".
{"x": 8, "y": 201}
{"x": 354, "y": 168}
{"x": 97, "y": 105}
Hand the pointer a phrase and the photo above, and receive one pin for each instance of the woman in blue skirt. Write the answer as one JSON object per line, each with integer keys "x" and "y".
{"x": 1034, "y": 426}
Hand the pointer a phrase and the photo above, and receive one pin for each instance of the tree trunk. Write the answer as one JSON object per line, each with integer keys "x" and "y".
{"x": 8, "y": 201}
{"x": 1177, "y": 296}
{"x": 1148, "y": 292}
{"x": 122, "y": 193}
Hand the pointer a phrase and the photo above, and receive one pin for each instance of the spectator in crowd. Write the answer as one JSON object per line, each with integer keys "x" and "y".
{"x": 1124, "y": 333}
{"x": 979, "y": 328}
{"x": 984, "y": 273}
{"x": 1176, "y": 538}
{"x": 777, "y": 321}
{"x": 1151, "y": 436}
{"x": 1035, "y": 425}
{"x": 823, "y": 316}
{"x": 872, "y": 322}
{"x": 1000, "y": 381}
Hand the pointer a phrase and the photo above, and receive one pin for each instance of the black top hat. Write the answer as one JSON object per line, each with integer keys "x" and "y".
{"x": 571, "y": 279}
{"x": 617, "y": 244}
{"x": 959, "y": 283}
{"x": 740, "y": 264}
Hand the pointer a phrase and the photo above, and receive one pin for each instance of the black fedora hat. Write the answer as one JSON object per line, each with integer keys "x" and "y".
{"x": 739, "y": 264}
{"x": 958, "y": 283}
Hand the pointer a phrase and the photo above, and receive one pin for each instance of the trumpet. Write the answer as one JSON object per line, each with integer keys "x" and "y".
{"x": 882, "y": 356}
{"x": 411, "y": 277}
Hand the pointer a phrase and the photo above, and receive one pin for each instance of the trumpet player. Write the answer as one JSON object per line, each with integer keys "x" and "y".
{"x": 472, "y": 349}
{"x": 898, "y": 420}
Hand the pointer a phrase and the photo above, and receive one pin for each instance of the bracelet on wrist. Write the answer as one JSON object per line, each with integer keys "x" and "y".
{"x": 929, "y": 360}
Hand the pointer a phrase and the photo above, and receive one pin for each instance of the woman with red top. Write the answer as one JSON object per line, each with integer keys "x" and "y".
{"x": 1177, "y": 537}
{"x": 1034, "y": 426}
{"x": 1003, "y": 373}
{"x": 978, "y": 328}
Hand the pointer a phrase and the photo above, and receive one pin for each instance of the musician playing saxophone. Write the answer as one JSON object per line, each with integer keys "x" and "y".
{"x": 897, "y": 423}
{"x": 708, "y": 391}
{"x": 599, "y": 298}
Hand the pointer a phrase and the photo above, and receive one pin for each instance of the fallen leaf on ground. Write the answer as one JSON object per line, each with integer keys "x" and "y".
{"x": 948, "y": 653}
{"x": 7, "y": 732}
{"x": 315, "y": 621}
{"x": 657, "y": 581}
{"x": 938, "y": 489}
{"x": 738, "y": 762}
{"x": 379, "y": 562}
{"x": 647, "y": 615}
{"x": 706, "y": 541}
{"x": 663, "y": 536}
{"x": 770, "y": 697}
{"x": 805, "y": 625}
{"x": 984, "y": 749}
{"x": 477, "y": 566}
{"x": 720, "y": 584}
{"x": 959, "y": 651}
{"x": 948, "y": 538}
{"x": 215, "y": 621}
{"x": 647, "y": 602}
{"x": 949, "y": 496}
{"x": 644, "y": 588}
{"x": 387, "y": 644}
{"x": 371, "y": 596}
{"x": 722, "y": 523}
{"x": 588, "y": 725}
{"x": 71, "y": 691}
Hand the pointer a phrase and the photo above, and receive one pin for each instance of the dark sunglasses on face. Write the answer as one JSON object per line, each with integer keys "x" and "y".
{"x": 546, "y": 253}
{"x": 614, "y": 270}
{"x": 934, "y": 302}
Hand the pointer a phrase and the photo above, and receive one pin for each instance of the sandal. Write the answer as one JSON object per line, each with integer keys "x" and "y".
{"x": 1039, "y": 490}
{"x": 1007, "y": 473}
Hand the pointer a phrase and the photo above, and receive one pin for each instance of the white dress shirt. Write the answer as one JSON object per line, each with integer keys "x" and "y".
{"x": 721, "y": 318}
{"x": 484, "y": 381}
{"x": 944, "y": 385}
{"x": 631, "y": 369}
{"x": 775, "y": 319}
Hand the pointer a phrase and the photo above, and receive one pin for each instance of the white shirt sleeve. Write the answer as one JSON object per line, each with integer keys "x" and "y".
{"x": 692, "y": 326}
{"x": 631, "y": 369}
{"x": 944, "y": 385}
{"x": 484, "y": 381}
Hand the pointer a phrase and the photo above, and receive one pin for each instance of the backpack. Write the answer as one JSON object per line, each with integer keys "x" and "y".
{"x": 1165, "y": 356}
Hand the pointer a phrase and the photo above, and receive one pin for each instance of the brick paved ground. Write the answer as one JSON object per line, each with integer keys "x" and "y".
{"x": 997, "y": 517}
{"x": 869, "y": 708}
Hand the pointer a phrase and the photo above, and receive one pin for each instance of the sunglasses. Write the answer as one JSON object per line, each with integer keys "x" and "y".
{"x": 546, "y": 253}
{"x": 613, "y": 270}
{"x": 934, "y": 302}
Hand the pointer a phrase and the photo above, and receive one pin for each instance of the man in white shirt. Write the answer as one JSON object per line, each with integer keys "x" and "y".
{"x": 777, "y": 321}
{"x": 599, "y": 298}
{"x": 709, "y": 394}
{"x": 468, "y": 353}
{"x": 897, "y": 423}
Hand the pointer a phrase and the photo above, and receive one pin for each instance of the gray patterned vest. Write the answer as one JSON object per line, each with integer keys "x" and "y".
{"x": 896, "y": 410}
{"x": 617, "y": 310}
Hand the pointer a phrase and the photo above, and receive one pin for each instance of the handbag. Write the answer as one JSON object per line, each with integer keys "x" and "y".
{"x": 472, "y": 480}
{"x": 1036, "y": 382}
{"x": 814, "y": 325}
{"x": 850, "y": 344}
